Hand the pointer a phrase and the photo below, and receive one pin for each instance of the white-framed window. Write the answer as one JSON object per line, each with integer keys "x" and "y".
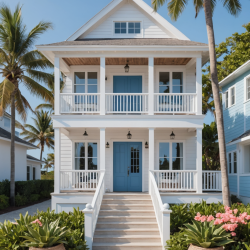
{"x": 34, "y": 173}
{"x": 232, "y": 162}
{"x": 6, "y": 122}
{"x": 247, "y": 88}
{"x": 123, "y": 27}
{"x": 86, "y": 156}
{"x": 86, "y": 82}
{"x": 28, "y": 173}
{"x": 230, "y": 97}
{"x": 171, "y": 155}
{"x": 170, "y": 82}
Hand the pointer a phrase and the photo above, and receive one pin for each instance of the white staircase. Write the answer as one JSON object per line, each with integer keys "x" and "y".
{"x": 127, "y": 221}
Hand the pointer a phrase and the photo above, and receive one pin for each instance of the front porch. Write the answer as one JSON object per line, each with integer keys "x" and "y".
{"x": 175, "y": 163}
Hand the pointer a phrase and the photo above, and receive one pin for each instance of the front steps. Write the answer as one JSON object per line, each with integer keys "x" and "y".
{"x": 127, "y": 221}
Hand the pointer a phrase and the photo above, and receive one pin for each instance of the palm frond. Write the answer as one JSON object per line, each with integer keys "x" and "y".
{"x": 40, "y": 75}
{"x": 157, "y": 4}
{"x": 198, "y": 5}
{"x": 44, "y": 106}
{"x": 233, "y": 6}
{"x": 176, "y": 7}
{"x": 6, "y": 88}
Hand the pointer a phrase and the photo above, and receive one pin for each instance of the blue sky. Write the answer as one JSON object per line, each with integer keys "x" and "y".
{"x": 69, "y": 15}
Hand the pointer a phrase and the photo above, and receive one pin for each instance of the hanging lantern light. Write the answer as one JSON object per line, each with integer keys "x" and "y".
{"x": 126, "y": 68}
{"x": 107, "y": 145}
{"x": 85, "y": 133}
{"x": 146, "y": 144}
{"x": 129, "y": 135}
{"x": 172, "y": 136}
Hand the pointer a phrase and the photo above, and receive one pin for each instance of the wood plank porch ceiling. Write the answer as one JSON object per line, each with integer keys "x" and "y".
{"x": 124, "y": 61}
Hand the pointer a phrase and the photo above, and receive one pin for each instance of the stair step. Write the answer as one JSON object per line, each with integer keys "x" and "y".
{"x": 126, "y": 246}
{"x": 126, "y": 196}
{"x": 127, "y": 218}
{"x": 127, "y": 238}
{"x": 132, "y": 231}
{"x": 126, "y": 201}
{"x": 127, "y": 212}
{"x": 126, "y": 207}
{"x": 126, "y": 225}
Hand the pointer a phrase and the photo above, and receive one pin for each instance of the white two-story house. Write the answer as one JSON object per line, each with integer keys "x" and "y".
{"x": 130, "y": 116}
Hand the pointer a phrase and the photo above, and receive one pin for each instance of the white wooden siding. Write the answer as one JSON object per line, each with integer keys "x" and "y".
{"x": 127, "y": 12}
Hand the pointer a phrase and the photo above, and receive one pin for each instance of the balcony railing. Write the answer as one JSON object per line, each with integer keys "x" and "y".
{"x": 211, "y": 180}
{"x": 127, "y": 103}
{"x": 175, "y": 103}
{"x": 79, "y": 179}
{"x": 80, "y": 103}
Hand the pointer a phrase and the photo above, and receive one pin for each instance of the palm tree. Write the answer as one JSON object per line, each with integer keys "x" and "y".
{"x": 49, "y": 161}
{"x": 19, "y": 63}
{"x": 175, "y": 8}
{"x": 42, "y": 133}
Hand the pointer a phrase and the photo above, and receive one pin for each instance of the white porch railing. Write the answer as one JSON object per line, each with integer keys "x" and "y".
{"x": 175, "y": 103}
{"x": 92, "y": 211}
{"x": 79, "y": 179}
{"x": 127, "y": 103}
{"x": 211, "y": 181}
{"x": 177, "y": 180}
{"x": 162, "y": 212}
{"x": 80, "y": 103}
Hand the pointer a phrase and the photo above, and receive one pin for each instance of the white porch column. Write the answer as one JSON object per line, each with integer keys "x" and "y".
{"x": 151, "y": 142}
{"x": 199, "y": 161}
{"x": 57, "y": 85}
{"x": 57, "y": 149}
{"x": 198, "y": 86}
{"x": 88, "y": 225}
{"x": 151, "y": 86}
{"x": 102, "y": 148}
{"x": 102, "y": 86}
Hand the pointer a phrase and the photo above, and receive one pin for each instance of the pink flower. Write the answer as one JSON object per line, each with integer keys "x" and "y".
{"x": 235, "y": 211}
{"x": 247, "y": 217}
{"x": 198, "y": 217}
{"x": 203, "y": 218}
{"x": 233, "y": 234}
{"x": 210, "y": 218}
{"x": 38, "y": 222}
{"x": 218, "y": 215}
{"x": 227, "y": 208}
{"x": 15, "y": 223}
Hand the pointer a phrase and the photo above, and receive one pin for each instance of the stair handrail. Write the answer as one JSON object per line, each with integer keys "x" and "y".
{"x": 92, "y": 211}
{"x": 162, "y": 211}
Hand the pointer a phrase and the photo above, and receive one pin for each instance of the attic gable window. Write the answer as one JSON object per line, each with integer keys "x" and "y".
{"x": 120, "y": 27}
{"x": 127, "y": 28}
{"x": 134, "y": 28}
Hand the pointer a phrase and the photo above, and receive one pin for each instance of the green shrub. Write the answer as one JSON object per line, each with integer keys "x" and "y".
{"x": 34, "y": 197}
{"x": 4, "y": 201}
{"x": 177, "y": 241}
{"x": 5, "y": 188}
{"x": 20, "y": 200}
{"x": 235, "y": 199}
{"x": 45, "y": 194}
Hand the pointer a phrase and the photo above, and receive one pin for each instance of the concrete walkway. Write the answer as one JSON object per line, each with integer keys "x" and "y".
{"x": 11, "y": 216}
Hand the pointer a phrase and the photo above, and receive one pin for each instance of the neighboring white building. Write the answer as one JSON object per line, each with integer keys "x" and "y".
{"x": 129, "y": 120}
{"x": 26, "y": 167}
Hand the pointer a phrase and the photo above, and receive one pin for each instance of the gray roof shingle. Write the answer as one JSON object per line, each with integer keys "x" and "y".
{"x": 29, "y": 157}
{"x": 7, "y": 135}
{"x": 247, "y": 133}
{"x": 128, "y": 42}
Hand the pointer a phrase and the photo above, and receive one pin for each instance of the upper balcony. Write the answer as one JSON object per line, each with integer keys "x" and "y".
{"x": 125, "y": 86}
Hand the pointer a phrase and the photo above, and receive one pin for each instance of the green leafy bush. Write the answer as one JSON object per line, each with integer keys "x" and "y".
{"x": 4, "y": 201}
{"x": 34, "y": 197}
{"x": 235, "y": 199}
{"x": 45, "y": 194}
{"x": 5, "y": 187}
{"x": 20, "y": 200}
{"x": 177, "y": 241}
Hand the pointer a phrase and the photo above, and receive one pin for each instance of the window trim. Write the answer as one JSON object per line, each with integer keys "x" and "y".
{"x": 245, "y": 88}
{"x": 232, "y": 162}
{"x": 229, "y": 92}
{"x": 86, "y": 151}
{"x": 28, "y": 172}
{"x": 86, "y": 80}
{"x": 170, "y": 153}
{"x": 171, "y": 70}
{"x": 33, "y": 168}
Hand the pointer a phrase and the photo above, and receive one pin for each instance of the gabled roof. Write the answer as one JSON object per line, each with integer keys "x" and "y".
{"x": 240, "y": 138}
{"x": 5, "y": 135}
{"x": 29, "y": 157}
{"x": 142, "y": 5}
{"x": 241, "y": 70}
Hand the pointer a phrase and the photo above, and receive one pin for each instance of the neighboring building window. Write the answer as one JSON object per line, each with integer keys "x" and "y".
{"x": 226, "y": 100}
{"x": 28, "y": 173}
{"x": 120, "y": 27}
{"x": 86, "y": 157}
{"x": 6, "y": 122}
{"x": 232, "y": 163}
{"x": 171, "y": 161}
{"x": 34, "y": 173}
{"x": 248, "y": 88}
{"x": 232, "y": 90}
{"x": 134, "y": 27}
{"x": 166, "y": 86}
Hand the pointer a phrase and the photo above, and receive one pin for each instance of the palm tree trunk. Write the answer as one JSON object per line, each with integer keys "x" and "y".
{"x": 217, "y": 102}
{"x": 12, "y": 153}
{"x": 41, "y": 156}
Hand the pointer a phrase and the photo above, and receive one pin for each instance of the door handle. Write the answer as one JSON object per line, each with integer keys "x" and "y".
{"x": 128, "y": 171}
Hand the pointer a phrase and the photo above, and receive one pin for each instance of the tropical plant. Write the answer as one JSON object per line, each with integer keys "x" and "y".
{"x": 49, "y": 161}
{"x": 210, "y": 147}
{"x": 175, "y": 8}
{"x": 4, "y": 201}
{"x": 20, "y": 63}
{"x": 45, "y": 235}
{"x": 206, "y": 235}
{"x": 42, "y": 132}
{"x": 177, "y": 241}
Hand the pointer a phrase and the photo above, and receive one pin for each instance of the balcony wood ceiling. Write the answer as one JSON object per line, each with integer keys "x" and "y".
{"x": 124, "y": 61}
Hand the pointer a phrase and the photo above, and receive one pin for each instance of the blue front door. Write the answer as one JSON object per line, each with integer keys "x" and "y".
{"x": 126, "y": 85}
{"x": 127, "y": 167}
